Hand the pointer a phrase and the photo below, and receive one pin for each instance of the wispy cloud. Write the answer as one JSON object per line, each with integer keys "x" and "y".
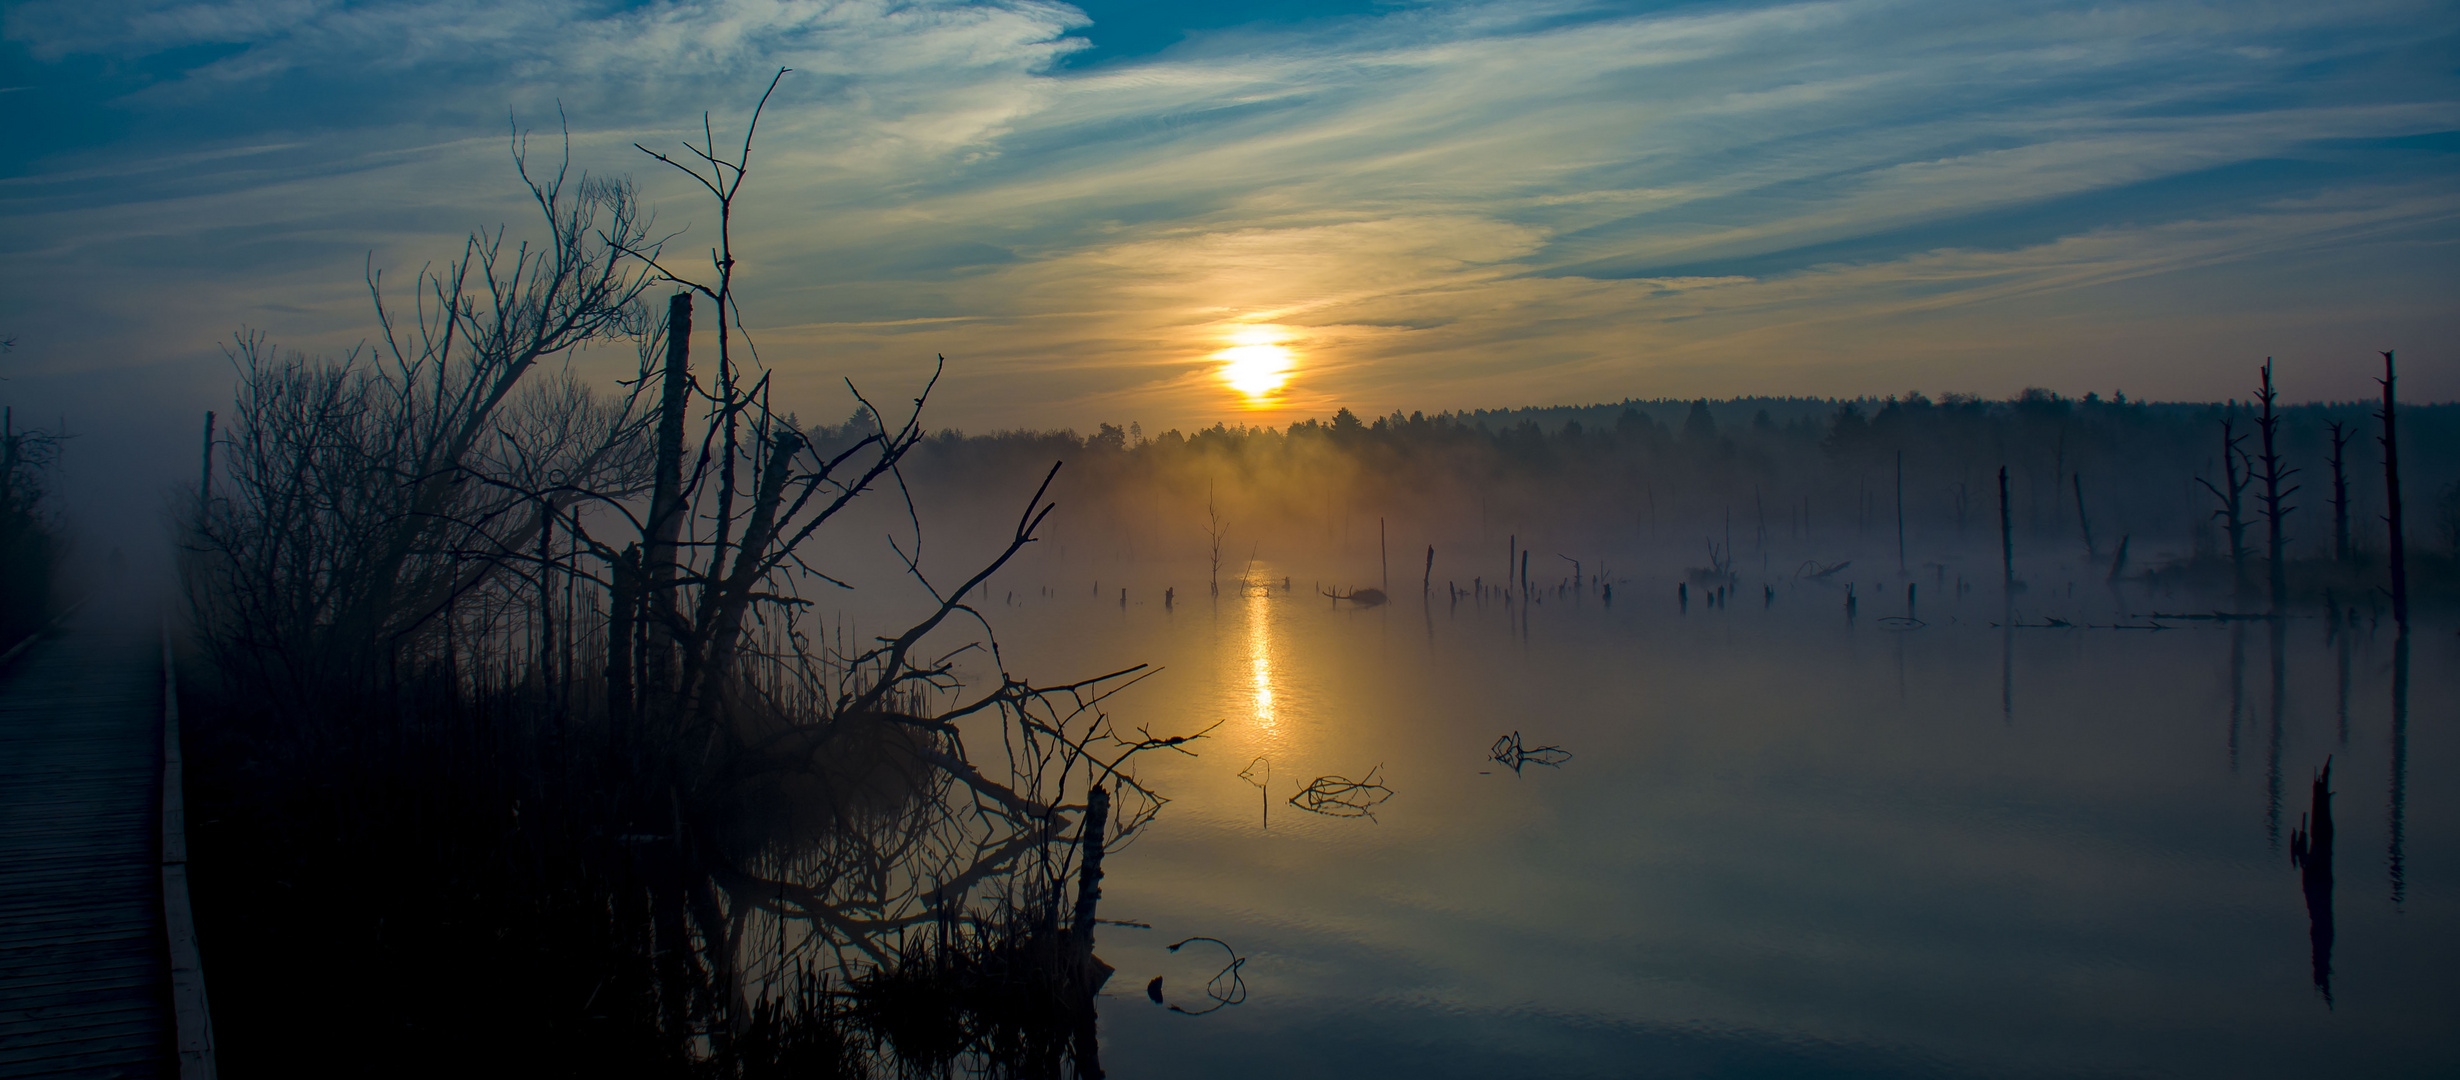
{"x": 1441, "y": 205}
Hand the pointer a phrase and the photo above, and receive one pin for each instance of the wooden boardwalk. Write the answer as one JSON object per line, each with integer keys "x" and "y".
{"x": 84, "y": 974}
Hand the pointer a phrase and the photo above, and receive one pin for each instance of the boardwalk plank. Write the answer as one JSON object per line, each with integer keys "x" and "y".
{"x": 83, "y": 975}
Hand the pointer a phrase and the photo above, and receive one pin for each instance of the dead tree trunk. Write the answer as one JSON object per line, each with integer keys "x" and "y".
{"x": 2270, "y": 423}
{"x": 2007, "y": 536}
{"x": 2232, "y": 500}
{"x": 205, "y": 477}
{"x": 623, "y": 602}
{"x": 546, "y": 601}
{"x": 1089, "y": 881}
{"x": 666, "y": 509}
{"x": 2340, "y": 497}
{"x": 2085, "y": 522}
{"x": 1900, "y": 512}
{"x": 1213, "y": 531}
{"x": 2391, "y": 491}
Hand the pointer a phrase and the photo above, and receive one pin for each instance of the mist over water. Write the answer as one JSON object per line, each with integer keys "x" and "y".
{"x": 1787, "y": 842}
{"x": 1847, "y": 777}
{"x": 1776, "y": 737}
{"x": 1832, "y": 798}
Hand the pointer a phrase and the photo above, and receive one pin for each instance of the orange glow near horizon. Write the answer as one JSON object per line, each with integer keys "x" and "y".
{"x": 1257, "y": 364}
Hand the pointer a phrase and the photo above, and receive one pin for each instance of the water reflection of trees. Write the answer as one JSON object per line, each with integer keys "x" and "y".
{"x": 2278, "y": 650}
{"x": 2400, "y": 766}
{"x": 2310, "y": 850}
{"x": 529, "y": 670}
{"x": 1227, "y": 987}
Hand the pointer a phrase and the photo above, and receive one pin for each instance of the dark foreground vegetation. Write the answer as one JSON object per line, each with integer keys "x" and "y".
{"x": 514, "y": 751}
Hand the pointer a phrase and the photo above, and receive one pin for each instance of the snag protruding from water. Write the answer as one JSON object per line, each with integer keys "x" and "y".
{"x": 1260, "y": 773}
{"x": 1340, "y": 796}
{"x": 1510, "y": 751}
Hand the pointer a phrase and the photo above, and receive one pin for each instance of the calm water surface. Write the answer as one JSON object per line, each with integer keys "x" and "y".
{"x": 1786, "y": 844}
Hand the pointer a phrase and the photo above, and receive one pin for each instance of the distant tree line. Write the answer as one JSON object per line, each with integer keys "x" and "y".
{"x": 2089, "y": 477}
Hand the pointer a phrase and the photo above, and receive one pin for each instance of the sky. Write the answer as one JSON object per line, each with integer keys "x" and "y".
{"x": 1256, "y": 212}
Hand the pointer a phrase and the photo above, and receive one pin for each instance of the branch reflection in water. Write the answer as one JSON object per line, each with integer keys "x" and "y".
{"x": 1225, "y": 988}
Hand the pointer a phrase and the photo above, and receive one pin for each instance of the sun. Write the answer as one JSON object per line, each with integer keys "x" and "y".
{"x": 1255, "y": 370}
{"x": 1257, "y": 366}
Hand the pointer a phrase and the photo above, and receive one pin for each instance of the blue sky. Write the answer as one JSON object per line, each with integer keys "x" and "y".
{"x": 1430, "y": 205}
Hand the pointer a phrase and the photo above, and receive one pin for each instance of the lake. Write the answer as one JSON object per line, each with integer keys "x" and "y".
{"x": 1786, "y": 842}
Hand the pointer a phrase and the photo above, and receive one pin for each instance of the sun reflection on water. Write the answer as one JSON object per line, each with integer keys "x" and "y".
{"x": 1260, "y": 656}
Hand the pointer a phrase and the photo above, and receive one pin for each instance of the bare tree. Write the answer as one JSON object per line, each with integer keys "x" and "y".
{"x": 382, "y": 518}
{"x": 2391, "y": 492}
{"x": 1214, "y": 530}
{"x": 2273, "y": 475}
{"x": 2340, "y": 494}
{"x": 2237, "y": 473}
{"x": 832, "y": 797}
